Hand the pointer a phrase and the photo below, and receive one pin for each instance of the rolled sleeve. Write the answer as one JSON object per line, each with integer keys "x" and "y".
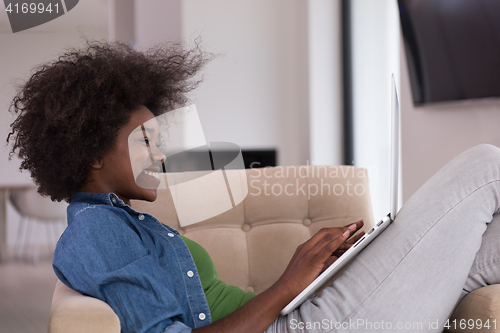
{"x": 178, "y": 327}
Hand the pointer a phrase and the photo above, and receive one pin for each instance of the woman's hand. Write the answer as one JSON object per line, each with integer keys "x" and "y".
{"x": 314, "y": 256}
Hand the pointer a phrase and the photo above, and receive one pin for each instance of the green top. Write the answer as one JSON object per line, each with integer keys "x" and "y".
{"x": 222, "y": 299}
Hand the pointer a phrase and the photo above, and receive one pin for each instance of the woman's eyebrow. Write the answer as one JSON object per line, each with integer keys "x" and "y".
{"x": 141, "y": 128}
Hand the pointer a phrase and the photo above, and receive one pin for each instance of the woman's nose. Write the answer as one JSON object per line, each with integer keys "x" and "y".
{"x": 157, "y": 154}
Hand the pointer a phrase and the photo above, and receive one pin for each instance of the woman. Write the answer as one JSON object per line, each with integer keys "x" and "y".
{"x": 77, "y": 117}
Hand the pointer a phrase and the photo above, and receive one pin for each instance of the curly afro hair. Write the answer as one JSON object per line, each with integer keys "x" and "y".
{"x": 70, "y": 110}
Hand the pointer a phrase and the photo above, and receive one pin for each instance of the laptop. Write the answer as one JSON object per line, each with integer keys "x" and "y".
{"x": 324, "y": 277}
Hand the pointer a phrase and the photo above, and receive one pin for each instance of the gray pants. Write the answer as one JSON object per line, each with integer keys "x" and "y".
{"x": 440, "y": 247}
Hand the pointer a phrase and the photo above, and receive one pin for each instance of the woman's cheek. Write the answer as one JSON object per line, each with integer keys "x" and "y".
{"x": 139, "y": 161}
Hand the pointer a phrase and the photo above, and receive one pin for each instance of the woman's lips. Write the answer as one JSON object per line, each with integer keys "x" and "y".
{"x": 148, "y": 179}
{"x": 152, "y": 173}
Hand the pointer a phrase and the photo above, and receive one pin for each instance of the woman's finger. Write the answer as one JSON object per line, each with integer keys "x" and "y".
{"x": 325, "y": 235}
{"x": 319, "y": 236}
{"x": 326, "y": 248}
{"x": 354, "y": 239}
{"x": 359, "y": 224}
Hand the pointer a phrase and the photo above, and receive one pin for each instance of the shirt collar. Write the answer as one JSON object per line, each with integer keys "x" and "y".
{"x": 110, "y": 199}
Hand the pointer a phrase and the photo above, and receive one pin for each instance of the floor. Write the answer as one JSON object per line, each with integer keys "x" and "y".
{"x": 26, "y": 295}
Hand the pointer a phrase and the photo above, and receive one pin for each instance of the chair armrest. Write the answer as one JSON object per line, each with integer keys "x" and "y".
{"x": 480, "y": 305}
{"x": 73, "y": 312}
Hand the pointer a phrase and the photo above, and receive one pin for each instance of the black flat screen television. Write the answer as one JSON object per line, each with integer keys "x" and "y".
{"x": 452, "y": 48}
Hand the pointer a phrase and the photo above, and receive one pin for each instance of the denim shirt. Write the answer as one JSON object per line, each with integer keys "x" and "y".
{"x": 133, "y": 262}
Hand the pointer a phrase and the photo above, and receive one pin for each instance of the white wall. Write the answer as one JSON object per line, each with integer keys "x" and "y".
{"x": 375, "y": 56}
{"x": 433, "y": 135}
{"x": 325, "y": 82}
{"x": 278, "y": 65}
{"x": 156, "y": 21}
{"x": 255, "y": 93}
{"x": 22, "y": 51}
{"x": 121, "y": 21}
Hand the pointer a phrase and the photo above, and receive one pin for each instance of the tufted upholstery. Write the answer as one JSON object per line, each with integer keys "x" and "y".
{"x": 263, "y": 231}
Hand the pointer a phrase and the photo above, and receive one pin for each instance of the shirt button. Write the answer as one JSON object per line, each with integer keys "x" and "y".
{"x": 113, "y": 200}
{"x": 190, "y": 274}
{"x": 170, "y": 234}
{"x": 141, "y": 217}
{"x": 202, "y": 316}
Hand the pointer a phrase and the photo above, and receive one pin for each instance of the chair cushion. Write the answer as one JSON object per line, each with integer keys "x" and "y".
{"x": 480, "y": 306}
{"x": 284, "y": 207}
{"x": 75, "y": 313}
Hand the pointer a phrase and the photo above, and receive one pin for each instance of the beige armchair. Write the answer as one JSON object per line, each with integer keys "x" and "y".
{"x": 252, "y": 243}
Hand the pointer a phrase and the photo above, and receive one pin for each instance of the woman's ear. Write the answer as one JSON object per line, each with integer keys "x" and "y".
{"x": 97, "y": 164}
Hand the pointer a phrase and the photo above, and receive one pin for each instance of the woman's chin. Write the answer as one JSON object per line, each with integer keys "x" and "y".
{"x": 148, "y": 185}
{"x": 150, "y": 195}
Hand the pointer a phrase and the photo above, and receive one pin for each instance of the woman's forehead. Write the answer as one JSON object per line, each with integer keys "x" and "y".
{"x": 142, "y": 118}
